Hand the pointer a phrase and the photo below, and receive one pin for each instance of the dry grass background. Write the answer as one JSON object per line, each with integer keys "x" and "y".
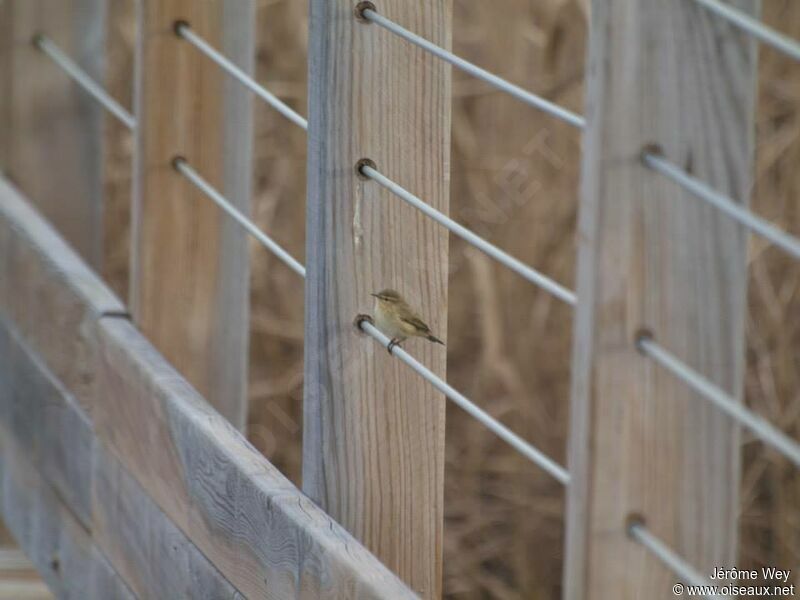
{"x": 514, "y": 180}
{"x": 770, "y": 498}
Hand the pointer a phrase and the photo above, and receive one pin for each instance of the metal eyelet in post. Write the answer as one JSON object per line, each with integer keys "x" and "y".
{"x": 652, "y": 149}
{"x": 177, "y": 161}
{"x": 178, "y": 25}
{"x": 632, "y": 521}
{"x": 643, "y": 334}
{"x": 361, "y": 8}
{"x": 364, "y": 162}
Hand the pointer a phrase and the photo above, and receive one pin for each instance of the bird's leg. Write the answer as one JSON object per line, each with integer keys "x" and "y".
{"x": 393, "y": 343}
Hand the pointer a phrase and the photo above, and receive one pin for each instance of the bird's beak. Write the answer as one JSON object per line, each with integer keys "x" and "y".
{"x": 375, "y": 295}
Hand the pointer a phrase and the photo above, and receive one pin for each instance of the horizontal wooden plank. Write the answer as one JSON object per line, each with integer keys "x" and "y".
{"x": 149, "y": 552}
{"x": 52, "y": 297}
{"x": 145, "y": 547}
{"x": 46, "y": 423}
{"x": 266, "y": 537}
{"x": 53, "y": 539}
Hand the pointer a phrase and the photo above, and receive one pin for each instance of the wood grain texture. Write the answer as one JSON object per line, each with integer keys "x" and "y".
{"x": 46, "y": 424}
{"x": 263, "y": 535}
{"x": 145, "y": 547}
{"x": 190, "y": 268}
{"x": 373, "y": 444}
{"x": 52, "y": 538}
{"x": 51, "y": 129}
{"x": 45, "y": 288}
{"x": 652, "y": 256}
{"x": 149, "y": 552}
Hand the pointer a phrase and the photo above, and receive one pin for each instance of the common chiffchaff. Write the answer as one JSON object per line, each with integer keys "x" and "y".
{"x": 395, "y": 318}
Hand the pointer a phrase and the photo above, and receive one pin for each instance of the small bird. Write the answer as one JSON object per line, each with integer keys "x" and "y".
{"x": 395, "y": 318}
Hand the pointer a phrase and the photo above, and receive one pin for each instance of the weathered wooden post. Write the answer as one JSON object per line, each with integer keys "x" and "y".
{"x": 373, "y": 430}
{"x": 189, "y": 275}
{"x": 670, "y": 77}
{"x": 50, "y": 130}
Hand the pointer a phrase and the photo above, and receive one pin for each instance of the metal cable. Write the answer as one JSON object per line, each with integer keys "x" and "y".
{"x": 532, "y": 275}
{"x": 184, "y": 31}
{"x": 762, "y": 429}
{"x": 79, "y": 76}
{"x": 724, "y": 203}
{"x": 503, "y": 432}
{"x": 527, "y": 450}
{"x": 471, "y": 69}
{"x": 193, "y": 176}
{"x": 687, "y": 573}
{"x": 754, "y": 27}
{"x": 498, "y": 428}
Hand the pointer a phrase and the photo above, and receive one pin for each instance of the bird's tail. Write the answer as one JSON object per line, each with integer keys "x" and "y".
{"x": 435, "y": 340}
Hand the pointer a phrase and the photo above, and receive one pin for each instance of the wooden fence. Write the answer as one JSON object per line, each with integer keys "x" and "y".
{"x": 118, "y": 477}
{"x": 124, "y": 469}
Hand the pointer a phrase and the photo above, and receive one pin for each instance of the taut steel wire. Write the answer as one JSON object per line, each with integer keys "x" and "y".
{"x": 723, "y": 203}
{"x": 687, "y": 573}
{"x": 79, "y": 76}
{"x": 184, "y": 31}
{"x": 754, "y": 27}
{"x": 761, "y": 428}
{"x": 503, "y": 432}
{"x": 195, "y": 178}
{"x": 520, "y": 268}
{"x": 499, "y": 83}
{"x": 527, "y": 450}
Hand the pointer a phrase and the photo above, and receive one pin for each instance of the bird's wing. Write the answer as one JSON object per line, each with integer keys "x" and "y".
{"x": 417, "y": 323}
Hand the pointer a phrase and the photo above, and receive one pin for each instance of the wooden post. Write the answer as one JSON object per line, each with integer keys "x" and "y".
{"x": 189, "y": 273}
{"x": 373, "y": 430}
{"x": 653, "y": 257}
{"x": 50, "y": 129}
{"x": 120, "y": 49}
